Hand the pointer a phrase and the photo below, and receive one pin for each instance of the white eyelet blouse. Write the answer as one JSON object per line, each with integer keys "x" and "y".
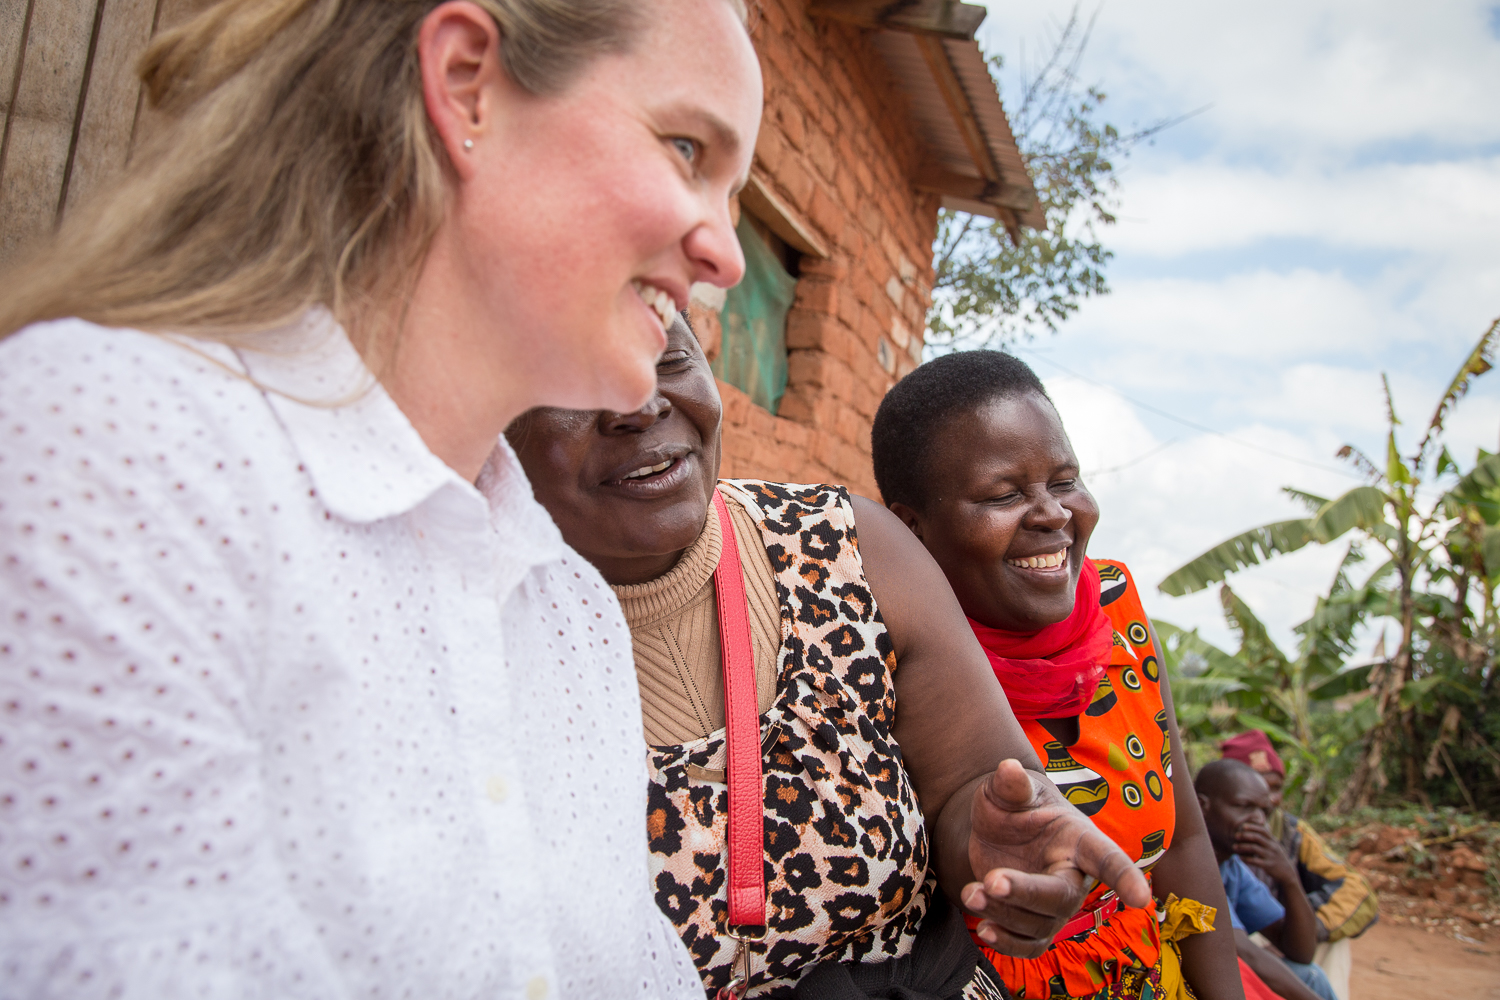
{"x": 288, "y": 708}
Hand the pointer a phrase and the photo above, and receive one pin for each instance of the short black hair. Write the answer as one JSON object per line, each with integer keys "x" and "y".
{"x": 1217, "y": 775}
{"x": 919, "y": 406}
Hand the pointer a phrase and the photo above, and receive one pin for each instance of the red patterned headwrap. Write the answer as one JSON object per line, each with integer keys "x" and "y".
{"x": 1254, "y": 748}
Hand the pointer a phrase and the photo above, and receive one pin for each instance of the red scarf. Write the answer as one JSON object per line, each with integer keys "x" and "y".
{"x": 1052, "y": 674}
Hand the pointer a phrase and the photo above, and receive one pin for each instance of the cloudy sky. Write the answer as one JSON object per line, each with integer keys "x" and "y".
{"x": 1333, "y": 215}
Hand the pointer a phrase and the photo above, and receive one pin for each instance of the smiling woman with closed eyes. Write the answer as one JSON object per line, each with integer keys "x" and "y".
{"x": 891, "y": 763}
{"x": 971, "y": 454}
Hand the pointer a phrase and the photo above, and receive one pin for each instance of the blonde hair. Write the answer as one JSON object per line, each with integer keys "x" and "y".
{"x": 299, "y": 168}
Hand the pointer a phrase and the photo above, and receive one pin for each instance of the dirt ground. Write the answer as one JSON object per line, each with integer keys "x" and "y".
{"x": 1439, "y": 930}
{"x": 1403, "y": 961}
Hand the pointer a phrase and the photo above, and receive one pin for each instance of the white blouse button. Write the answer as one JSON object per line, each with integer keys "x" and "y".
{"x": 497, "y": 789}
{"x": 537, "y": 988}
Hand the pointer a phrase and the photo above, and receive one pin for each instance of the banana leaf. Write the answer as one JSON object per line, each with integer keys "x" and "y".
{"x": 1342, "y": 683}
{"x": 1268, "y": 727}
{"x": 1247, "y": 549}
{"x": 1362, "y": 507}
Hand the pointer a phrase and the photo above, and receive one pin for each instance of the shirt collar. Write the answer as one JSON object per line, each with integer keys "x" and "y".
{"x": 367, "y": 462}
{"x": 531, "y": 537}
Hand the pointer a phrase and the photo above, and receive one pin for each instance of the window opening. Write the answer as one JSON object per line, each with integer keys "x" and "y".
{"x": 752, "y": 355}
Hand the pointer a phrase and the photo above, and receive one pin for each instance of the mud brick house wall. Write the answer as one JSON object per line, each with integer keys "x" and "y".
{"x": 876, "y": 114}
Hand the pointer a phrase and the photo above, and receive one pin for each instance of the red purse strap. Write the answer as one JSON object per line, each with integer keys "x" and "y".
{"x": 747, "y": 877}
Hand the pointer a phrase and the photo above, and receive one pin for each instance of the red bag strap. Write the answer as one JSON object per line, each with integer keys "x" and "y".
{"x": 747, "y": 877}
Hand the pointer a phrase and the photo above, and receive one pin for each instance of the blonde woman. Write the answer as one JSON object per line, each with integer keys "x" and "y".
{"x": 301, "y": 693}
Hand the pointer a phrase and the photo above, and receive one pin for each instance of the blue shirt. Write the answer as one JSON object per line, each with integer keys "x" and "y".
{"x": 1251, "y": 905}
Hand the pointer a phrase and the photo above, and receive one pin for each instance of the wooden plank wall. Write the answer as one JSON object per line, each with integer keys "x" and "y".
{"x": 70, "y": 103}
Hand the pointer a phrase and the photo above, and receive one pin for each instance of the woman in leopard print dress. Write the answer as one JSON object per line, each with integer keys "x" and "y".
{"x": 881, "y": 751}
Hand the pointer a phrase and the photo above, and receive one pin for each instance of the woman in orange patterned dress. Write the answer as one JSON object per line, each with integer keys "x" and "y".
{"x": 971, "y": 454}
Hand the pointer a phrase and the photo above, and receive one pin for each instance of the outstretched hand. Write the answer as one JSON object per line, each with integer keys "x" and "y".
{"x": 1039, "y": 856}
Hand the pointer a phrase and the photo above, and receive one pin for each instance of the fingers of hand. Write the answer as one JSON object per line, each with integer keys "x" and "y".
{"x": 1050, "y": 898}
{"x": 1102, "y": 858}
{"x": 1010, "y": 787}
{"x": 1008, "y": 943}
{"x": 998, "y": 883}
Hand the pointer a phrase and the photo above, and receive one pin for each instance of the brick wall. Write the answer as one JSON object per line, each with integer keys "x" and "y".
{"x": 837, "y": 146}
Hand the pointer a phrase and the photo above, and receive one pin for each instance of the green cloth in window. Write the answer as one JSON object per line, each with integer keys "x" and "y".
{"x": 753, "y": 353}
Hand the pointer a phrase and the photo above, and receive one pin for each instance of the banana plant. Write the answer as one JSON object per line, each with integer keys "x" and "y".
{"x": 1289, "y": 698}
{"x": 1427, "y": 545}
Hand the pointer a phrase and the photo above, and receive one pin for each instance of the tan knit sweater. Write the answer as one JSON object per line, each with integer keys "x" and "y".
{"x": 674, "y": 627}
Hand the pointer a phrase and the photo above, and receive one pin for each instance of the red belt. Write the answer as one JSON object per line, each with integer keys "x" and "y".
{"x": 1089, "y": 920}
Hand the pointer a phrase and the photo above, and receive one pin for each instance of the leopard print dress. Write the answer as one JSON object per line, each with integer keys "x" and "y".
{"x": 846, "y": 852}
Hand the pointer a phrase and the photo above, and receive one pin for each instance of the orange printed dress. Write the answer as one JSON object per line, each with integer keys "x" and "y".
{"x": 1119, "y": 774}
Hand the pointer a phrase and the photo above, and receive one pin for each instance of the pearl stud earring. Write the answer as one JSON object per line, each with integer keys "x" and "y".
{"x": 468, "y": 144}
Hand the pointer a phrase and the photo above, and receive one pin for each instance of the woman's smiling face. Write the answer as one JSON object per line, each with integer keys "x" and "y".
{"x": 1007, "y": 516}
{"x": 630, "y": 491}
{"x": 591, "y": 212}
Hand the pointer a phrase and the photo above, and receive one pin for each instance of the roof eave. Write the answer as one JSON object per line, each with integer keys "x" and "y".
{"x": 979, "y": 169}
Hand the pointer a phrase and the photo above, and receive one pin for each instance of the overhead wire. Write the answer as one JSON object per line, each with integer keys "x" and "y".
{"x": 1134, "y": 461}
{"x": 1186, "y": 422}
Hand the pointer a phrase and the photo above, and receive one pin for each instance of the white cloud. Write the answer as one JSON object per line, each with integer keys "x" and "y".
{"x": 1290, "y": 77}
{"x": 1261, "y": 315}
{"x": 1451, "y": 208}
{"x": 1176, "y": 502}
{"x": 1332, "y": 217}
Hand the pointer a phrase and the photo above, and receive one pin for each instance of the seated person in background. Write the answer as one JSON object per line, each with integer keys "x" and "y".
{"x": 882, "y": 729}
{"x": 1235, "y": 802}
{"x": 1344, "y": 903}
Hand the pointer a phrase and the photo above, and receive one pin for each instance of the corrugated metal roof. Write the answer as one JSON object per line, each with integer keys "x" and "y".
{"x": 910, "y": 59}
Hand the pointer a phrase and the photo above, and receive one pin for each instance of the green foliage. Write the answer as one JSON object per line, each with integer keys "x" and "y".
{"x": 991, "y": 291}
{"x": 1424, "y": 718}
{"x": 1247, "y": 549}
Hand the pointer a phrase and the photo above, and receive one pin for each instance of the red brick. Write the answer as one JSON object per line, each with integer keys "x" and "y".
{"x": 834, "y": 268}
{"x": 792, "y": 434}
{"x": 839, "y": 76}
{"x": 792, "y": 124}
{"x": 850, "y": 311}
{"x": 706, "y": 326}
{"x": 808, "y": 330}
{"x": 797, "y": 179}
{"x": 881, "y": 312}
{"x": 809, "y": 368}
{"x": 765, "y": 458}
{"x": 862, "y": 175}
{"x": 809, "y": 44}
{"x": 771, "y": 151}
{"x": 797, "y": 404}
{"x": 820, "y": 151}
{"x": 826, "y": 213}
{"x": 817, "y": 296}
{"x": 848, "y": 187}
{"x": 802, "y": 88}
{"x": 848, "y": 462}
{"x": 825, "y": 450}
{"x": 865, "y": 400}
{"x": 735, "y": 402}
{"x": 850, "y": 425}
{"x": 810, "y": 407}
